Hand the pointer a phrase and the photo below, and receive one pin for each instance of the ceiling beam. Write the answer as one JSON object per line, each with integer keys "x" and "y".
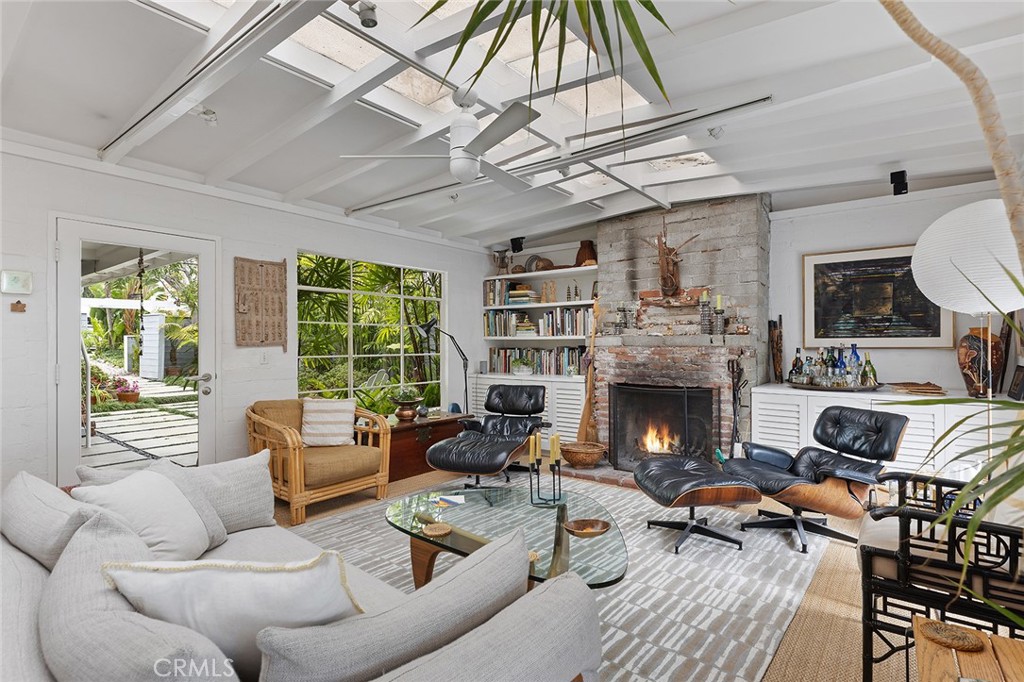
{"x": 821, "y": 80}
{"x": 633, "y": 177}
{"x": 245, "y": 34}
{"x": 348, "y": 91}
{"x": 751, "y": 17}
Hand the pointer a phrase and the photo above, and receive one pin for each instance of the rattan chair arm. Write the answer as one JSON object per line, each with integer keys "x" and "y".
{"x": 289, "y": 437}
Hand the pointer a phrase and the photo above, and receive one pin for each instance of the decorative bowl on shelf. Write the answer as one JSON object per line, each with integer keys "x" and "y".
{"x": 586, "y": 528}
{"x": 583, "y": 455}
{"x": 522, "y": 370}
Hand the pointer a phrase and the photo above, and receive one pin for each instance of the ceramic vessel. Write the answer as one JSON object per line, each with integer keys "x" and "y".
{"x": 972, "y": 356}
{"x": 406, "y": 409}
{"x": 587, "y": 254}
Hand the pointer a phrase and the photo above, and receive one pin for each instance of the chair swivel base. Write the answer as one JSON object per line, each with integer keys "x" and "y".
{"x": 694, "y": 526}
{"x": 476, "y": 483}
{"x": 802, "y": 525}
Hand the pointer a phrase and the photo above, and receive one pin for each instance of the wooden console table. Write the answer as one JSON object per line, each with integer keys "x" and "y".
{"x": 410, "y": 440}
{"x": 1002, "y": 659}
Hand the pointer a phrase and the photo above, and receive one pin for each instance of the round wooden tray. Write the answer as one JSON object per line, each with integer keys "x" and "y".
{"x": 952, "y": 637}
{"x": 840, "y": 389}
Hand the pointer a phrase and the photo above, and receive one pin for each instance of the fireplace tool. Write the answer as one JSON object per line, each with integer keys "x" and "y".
{"x": 738, "y": 384}
{"x": 537, "y": 488}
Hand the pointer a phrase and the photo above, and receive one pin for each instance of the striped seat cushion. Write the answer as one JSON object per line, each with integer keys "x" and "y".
{"x": 328, "y": 422}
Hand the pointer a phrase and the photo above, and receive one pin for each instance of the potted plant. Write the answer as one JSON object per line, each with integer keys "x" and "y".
{"x": 522, "y": 366}
{"x": 98, "y": 394}
{"x": 407, "y": 398}
{"x": 127, "y": 391}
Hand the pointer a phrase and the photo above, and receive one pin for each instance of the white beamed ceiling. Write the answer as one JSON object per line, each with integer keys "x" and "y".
{"x": 851, "y": 100}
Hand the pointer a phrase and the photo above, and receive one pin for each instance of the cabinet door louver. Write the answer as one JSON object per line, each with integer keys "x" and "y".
{"x": 779, "y": 422}
{"x": 924, "y": 428}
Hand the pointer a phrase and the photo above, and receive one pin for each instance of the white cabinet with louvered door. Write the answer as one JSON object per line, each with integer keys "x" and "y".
{"x": 563, "y": 399}
{"x": 779, "y": 420}
{"x": 970, "y": 434}
{"x": 925, "y": 427}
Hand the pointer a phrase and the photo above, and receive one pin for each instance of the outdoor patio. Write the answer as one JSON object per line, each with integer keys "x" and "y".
{"x": 133, "y": 439}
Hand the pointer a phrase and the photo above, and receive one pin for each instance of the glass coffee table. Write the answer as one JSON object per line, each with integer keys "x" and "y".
{"x": 488, "y": 513}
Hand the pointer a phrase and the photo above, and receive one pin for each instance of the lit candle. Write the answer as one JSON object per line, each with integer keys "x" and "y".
{"x": 556, "y": 448}
{"x": 533, "y": 450}
{"x": 705, "y": 296}
{"x": 718, "y": 302}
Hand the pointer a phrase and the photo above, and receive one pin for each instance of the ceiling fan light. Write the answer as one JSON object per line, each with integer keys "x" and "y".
{"x": 464, "y": 169}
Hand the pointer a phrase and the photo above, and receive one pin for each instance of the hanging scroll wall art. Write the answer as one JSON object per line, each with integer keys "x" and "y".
{"x": 261, "y": 303}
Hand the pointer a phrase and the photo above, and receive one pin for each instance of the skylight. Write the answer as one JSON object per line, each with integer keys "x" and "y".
{"x": 685, "y": 161}
{"x": 601, "y": 97}
{"x": 422, "y": 90}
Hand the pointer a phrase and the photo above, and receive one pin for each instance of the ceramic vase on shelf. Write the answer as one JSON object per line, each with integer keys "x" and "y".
{"x": 587, "y": 255}
{"x": 972, "y": 355}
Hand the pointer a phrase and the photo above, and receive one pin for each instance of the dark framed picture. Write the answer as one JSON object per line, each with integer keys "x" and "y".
{"x": 1016, "y": 390}
{"x": 869, "y": 297}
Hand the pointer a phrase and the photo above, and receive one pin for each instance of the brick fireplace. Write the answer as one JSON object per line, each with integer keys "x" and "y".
{"x": 662, "y": 346}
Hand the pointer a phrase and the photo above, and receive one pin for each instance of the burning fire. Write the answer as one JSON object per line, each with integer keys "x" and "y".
{"x": 660, "y": 439}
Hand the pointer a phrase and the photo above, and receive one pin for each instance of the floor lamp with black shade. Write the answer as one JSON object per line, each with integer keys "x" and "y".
{"x": 425, "y": 329}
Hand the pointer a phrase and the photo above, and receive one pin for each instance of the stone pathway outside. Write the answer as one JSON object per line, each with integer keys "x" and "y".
{"x": 133, "y": 439}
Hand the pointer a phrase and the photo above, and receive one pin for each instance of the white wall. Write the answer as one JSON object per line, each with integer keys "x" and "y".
{"x": 33, "y": 190}
{"x": 867, "y": 223}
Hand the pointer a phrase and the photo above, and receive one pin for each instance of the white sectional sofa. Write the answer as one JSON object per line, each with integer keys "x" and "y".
{"x": 71, "y": 624}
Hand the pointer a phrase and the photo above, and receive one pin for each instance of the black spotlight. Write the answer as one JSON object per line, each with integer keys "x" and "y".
{"x": 899, "y": 182}
{"x": 517, "y": 244}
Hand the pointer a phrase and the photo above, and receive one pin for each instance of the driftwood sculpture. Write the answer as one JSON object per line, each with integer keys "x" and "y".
{"x": 668, "y": 261}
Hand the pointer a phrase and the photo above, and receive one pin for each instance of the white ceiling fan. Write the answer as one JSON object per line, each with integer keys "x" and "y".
{"x": 468, "y": 143}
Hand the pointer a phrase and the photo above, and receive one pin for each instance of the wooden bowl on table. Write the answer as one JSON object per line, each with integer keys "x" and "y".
{"x": 586, "y": 528}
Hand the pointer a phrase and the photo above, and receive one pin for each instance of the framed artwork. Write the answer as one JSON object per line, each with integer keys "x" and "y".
{"x": 869, "y": 298}
{"x": 1016, "y": 390}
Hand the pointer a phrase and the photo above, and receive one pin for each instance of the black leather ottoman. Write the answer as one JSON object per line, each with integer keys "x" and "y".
{"x": 690, "y": 482}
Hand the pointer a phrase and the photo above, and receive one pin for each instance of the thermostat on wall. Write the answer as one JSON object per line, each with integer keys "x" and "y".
{"x": 15, "y": 282}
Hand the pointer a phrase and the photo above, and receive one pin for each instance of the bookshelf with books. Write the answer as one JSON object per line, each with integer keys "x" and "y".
{"x": 544, "y": 317}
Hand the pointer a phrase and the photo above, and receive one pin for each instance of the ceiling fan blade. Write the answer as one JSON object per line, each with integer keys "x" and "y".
{"x": 393, "y": 156}
{"x": 503, "y": 177}
{"x": 509, "y": 122}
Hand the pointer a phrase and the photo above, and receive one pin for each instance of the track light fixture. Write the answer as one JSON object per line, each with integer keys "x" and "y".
{"x": 367, "y": 12}
{"x": 517, "y": 244}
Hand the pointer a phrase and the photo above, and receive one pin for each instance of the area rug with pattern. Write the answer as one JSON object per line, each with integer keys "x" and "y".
{"x": 710, "y": 613}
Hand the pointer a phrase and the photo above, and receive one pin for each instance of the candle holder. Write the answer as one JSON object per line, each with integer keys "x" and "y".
{"x": 718, "y": 323}
{"x": 537, "y": 487}
{"x": 705, "y": 317}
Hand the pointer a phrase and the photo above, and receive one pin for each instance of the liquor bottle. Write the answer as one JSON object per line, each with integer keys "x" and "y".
{"x": 795, "y": 368}
{"x": 841, "y": 364}
{"x": 808, "y": 365}
{"x": 819, "y": 365}
{"x": 868, "y": 376}
{"x": 830, "y": 361}
{"x": 854, "y": 355}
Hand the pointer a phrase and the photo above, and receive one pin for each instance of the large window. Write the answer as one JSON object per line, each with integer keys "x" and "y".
{"x": 358, "y": 333}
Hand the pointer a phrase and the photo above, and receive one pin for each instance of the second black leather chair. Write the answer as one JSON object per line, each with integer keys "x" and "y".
{"x": 490, "y": 444}
{"x": 819, "y": 480}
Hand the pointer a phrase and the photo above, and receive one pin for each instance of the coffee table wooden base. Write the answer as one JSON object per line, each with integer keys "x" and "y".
{"x": 423, "y": 555}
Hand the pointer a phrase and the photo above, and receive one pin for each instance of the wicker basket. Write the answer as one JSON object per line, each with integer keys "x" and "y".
{"x": 583, "y": 455}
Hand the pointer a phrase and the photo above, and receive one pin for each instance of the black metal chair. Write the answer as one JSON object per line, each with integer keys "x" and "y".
{"x": 489, "y": 445}
{"x": 911, "y": 567}
{"x": 820, "y": 480}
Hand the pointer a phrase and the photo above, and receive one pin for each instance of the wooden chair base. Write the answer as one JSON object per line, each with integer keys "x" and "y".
{"x": 694, "y": 526}
{"x": 802, "y": 525}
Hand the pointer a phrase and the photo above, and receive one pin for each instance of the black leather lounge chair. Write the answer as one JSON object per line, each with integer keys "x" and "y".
{"x": 823, "y": 481}
{"x": 490, "y": 444}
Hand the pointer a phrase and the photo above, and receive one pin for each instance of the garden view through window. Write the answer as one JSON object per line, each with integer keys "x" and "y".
{"x": 358, "y": 333}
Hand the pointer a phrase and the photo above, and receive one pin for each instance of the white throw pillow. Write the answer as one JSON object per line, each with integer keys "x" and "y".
{"x": 328, "y": 422}
{"x": 155, "y": 508}
{"x": 231, "y": 601}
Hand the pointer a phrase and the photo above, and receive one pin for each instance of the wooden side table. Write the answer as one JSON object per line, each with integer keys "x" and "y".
{"x": 410, "y": 440}
{"x": 1001, "y": 660}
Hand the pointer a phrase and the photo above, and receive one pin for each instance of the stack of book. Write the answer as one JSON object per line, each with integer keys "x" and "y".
{"x": 525, "y": 327}
{"x": 523, "y": 296}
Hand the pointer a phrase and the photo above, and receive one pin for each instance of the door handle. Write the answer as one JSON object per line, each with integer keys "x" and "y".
{"x": 202, "y": 377}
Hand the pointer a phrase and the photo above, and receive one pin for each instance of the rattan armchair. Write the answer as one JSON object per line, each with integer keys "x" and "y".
{"x": 304, "y": 475}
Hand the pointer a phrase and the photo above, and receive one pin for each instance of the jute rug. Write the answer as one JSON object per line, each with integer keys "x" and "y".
{"x": 710, "y": 613}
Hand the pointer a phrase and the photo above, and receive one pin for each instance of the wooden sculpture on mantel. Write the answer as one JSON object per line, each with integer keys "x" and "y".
{"x": 668, "y": 261}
